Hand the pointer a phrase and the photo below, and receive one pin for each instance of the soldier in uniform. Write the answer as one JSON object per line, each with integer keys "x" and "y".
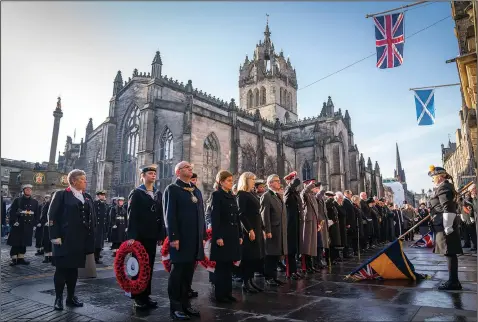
{"x": 146, "y": 225}
{"x": 445, "y": 224}
{"x": 294, "y": 207}
{"x": 72, "y": 224}
{"x": 39, "y": 228}
{"x": 110, "y": 220}
{"x": 22, "y": 219}
{"x": 119, "y": 221}
{"x": 46, "y": 243}
{"x": 101, "y": 223}
{"x": 260, "y": 188}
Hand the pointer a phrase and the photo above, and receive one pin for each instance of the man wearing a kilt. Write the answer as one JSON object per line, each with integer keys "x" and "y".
{"x": 445, "y": 224}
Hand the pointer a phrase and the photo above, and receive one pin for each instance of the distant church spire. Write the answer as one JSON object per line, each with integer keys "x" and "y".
{"x": 399, "y": 172}
{"x": 267, "y": 32}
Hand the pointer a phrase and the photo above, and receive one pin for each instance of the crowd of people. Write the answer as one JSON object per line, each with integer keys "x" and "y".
{"x": 299, "y": 228}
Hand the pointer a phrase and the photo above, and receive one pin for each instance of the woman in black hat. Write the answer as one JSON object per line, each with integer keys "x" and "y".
{"x": 445, "y": 224}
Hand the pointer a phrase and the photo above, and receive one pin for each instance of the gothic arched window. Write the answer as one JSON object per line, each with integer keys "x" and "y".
{"x": 287, "y": 117}
{"x": 263, "y": 95}
{"x": 250, "y": 99}
{"x": 130, "y": 147}
{"x": 306, "y": 171}
{"x": 249, "y": 157}
{"x": 281, "y": 100}
{"x": 166, "y": 155}
{"x": 210, "y": 159}
{"x": 289, "y": 100}
{"x": 256, "y": 97}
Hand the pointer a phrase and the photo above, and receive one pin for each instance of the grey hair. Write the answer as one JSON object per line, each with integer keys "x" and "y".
{"x": 75, "y": 174}
{"x": 339, "y": 194}
{"x": 270, "y": 178}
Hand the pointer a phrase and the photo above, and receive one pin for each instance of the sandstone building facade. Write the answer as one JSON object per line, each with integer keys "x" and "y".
{"x": 459, "y": 157}
{"x": 155, "y": 119}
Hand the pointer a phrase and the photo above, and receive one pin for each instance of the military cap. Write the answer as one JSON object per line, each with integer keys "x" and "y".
{"x": 330, "y": 194}
{"x": 151, "y": 167}
{"x": 434, "y": 171}
{"x": 120, "y": 198}
{"x": 382, "y": 199}
{"x": 307, "y": 181}
{"x": 100, "y": 192}
{"x": 27, "y": 186}
{"x": 194, "y": 176}
{"x": 370, "y": 200}
{"x": 259, "y": 182}
{"x": 47, "y": 196}
{"x": 291, "y": 176}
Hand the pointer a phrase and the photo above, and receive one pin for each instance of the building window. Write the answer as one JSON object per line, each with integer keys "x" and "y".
{"x": 306, "y": 171}
{"x": 263, "y": 95}
{"x": 210, "y": 160}
{"x": 250, "y": 99}
{"x": 166, "y": 155}
{"x": 130, "y": 147}
{"x": 256, "y": 97}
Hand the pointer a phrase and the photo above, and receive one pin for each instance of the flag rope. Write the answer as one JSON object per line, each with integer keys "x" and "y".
{"x": 436, "y": 86}
{"x": 371, "y": 55}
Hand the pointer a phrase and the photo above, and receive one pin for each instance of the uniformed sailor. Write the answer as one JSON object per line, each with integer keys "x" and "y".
{"x": 46, "y": 243}
{"x": 445, "y": 224}
{"x": 22, "y": 219}
{"x": 119, "y": 220}
{"x": 146, "y": 225}
{"x": 101, "y": 209}
{"x": 39, "y": 228}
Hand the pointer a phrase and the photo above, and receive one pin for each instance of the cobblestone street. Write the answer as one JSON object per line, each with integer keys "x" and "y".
{"x": 27, "y": 294}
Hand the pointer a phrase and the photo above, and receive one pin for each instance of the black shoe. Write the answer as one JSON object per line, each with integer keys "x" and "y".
{"x": 140, "y": 305}
{"x": 192, "y": 294}
{"x": 450, "y": 286}
{"x": 473, "y": 249}
{"x": 39, "y": 253}
{"x": 271, "y": 282}
{"x": 231, "y": 298}
{"x": 73, "y": 302}
{"x": 293, "y": 276}
{"x": 222, "y": 300}
{"x": 279, "y": 282}
{"x": 97, "y": 261}
{"x": 255, "y": 286}
{"x": 179, "y": 316}
{"x": 247, "y": 288}
{"x": 466, "y": 245}
{"x": 22, "y": 261}
{"x": 14, "y": 262}
{"x": 150, "y": 303}
{"x": 58, "y": 304}
{"x": 47, "y": 260}
{"x": 192, "y": 312}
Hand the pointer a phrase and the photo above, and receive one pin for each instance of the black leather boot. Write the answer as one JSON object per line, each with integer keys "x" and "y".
{"x": 58, "y": 303}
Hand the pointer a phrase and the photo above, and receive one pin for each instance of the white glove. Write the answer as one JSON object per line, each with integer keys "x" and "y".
{"x": 126, "y": 230}
{"x": 448, "y": 218}
{"x": 16, "y": 224}
{"x": 330, "y": 222}
{"x": 472, "y": 219}
{"x": 39, "y": 225}
{"x": 462, "y": 217}
{"x": 56, "y": 241}
{"x": 115, "y": 226}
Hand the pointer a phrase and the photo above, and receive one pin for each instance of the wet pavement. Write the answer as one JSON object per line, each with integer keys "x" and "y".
{"x": 27, "y": 294}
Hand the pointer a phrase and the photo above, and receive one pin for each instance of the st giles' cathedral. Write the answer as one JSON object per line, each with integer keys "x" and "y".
{"x": 154, "y": 119}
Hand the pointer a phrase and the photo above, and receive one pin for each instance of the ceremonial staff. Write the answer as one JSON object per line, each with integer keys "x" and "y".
{"x": 416, "y": 225}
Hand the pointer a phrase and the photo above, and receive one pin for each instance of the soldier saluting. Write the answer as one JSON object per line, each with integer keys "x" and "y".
{"x": 22, "y": 219}
{"x": 101, "y": 221}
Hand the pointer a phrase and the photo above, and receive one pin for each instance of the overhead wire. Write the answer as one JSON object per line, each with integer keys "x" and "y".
{"x": 373, "y": 54}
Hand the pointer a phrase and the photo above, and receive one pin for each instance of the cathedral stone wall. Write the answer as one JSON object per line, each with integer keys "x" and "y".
{"x": 93, "y": 157}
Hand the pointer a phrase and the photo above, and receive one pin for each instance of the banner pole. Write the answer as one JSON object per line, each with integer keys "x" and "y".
{"x": 436, "y": 86}
{"x": 415, "y": 226}
{"x": 400, "y": 8}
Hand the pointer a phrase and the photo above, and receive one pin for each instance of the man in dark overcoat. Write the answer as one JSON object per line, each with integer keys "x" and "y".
{"x": 368, "y": 227}
{"x": 101, "y": 223}
{"x": 184, "y": 218}
{"x": 294, "y": 209}
{"x": 22, "y": 218}
{"x": 39, "y": 228}
{"x": 351, "y": 222}
{"x": 333, "y": 223}
{"x": 274, "y": 217}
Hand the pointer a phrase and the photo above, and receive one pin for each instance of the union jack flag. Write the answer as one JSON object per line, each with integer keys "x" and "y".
{"x": 366, "y": 273}
{"x": 389, "y": 40}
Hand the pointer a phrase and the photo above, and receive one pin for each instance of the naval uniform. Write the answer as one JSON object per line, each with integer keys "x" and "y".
{"x": 39, "y": 231}
{"x": 119, "y": 222}
{"x": 72, "y": 219}
{"x": 46, "y": 241}
{"x": 22, "y": 219}
{"x": 101, "y": 223}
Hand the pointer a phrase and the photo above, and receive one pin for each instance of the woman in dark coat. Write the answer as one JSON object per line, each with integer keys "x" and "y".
{"x": 251, "y": 220}
{"x": 293, "y": 203}
{"x": 445, "y": 224}
{"x": 119, "y": 222}
{"x": 226, "y": 236}
{"x": 71, "y": 221}
{"x": 334, "y": 228}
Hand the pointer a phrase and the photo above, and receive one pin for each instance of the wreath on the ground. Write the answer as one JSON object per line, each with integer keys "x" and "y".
{"x": 206, "y": 263}
{"x": 132, "y": 268}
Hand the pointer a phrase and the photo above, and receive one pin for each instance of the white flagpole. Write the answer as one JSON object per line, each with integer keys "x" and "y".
{"x": 436, "y": 86}
{"x": 396, "y": 9}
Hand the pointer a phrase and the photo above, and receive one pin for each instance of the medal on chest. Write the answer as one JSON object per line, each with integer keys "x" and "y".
{"x": 193, "y": 197}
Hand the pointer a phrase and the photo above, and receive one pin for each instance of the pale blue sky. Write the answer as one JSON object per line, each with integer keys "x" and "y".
{"x": 75, "y": 49}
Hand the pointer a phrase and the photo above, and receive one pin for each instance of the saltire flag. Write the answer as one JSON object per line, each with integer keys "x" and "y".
{"x": 425, "y": 242}
{"x": 389, "y": 40}
{"x": 425, "y": 106}
{"x": 389, "y": 264}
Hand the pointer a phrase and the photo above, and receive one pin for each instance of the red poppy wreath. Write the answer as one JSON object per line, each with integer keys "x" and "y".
{"x": 132, "y": 268}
